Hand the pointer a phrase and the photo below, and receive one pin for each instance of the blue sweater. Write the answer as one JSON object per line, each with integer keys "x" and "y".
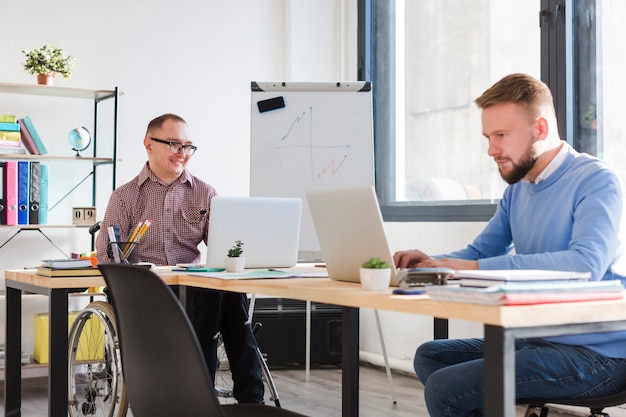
{"x": 569, "y": 221}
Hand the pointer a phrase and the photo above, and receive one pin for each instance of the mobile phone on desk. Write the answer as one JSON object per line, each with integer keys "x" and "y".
{"x": 410, "y": 291}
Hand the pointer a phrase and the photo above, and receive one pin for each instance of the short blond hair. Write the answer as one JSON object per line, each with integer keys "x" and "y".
{"x": 532, "y": 95}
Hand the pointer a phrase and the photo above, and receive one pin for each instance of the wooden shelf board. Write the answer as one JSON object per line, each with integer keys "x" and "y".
{"x": 56, "y": 91}
{"x": 23, "y": 157}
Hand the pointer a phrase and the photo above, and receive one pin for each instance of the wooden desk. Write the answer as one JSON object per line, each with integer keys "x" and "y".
{"x": 502, "y": 326}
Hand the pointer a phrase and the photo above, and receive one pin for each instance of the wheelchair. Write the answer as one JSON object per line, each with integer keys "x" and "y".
{"x": 95, "y": 377}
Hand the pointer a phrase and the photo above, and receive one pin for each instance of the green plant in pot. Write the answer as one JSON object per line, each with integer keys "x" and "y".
{"x": 375, "y": 274}
{"x": 375, "y": 263}
{"x": 234, "y": 262}
{"x": 47, "y": 61}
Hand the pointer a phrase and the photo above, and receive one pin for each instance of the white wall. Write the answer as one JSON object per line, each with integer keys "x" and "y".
{"x": 195, "y": 59}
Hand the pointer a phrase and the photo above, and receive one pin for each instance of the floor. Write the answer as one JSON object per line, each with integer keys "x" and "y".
{"x": 318, "y": 397}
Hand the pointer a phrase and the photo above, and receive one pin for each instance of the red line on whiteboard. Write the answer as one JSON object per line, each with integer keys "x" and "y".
{"x": 331, "y": 168}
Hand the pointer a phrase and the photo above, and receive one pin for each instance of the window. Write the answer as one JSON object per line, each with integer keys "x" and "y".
{"x": 601, "y": 112}
{"x": 429, "y": 60}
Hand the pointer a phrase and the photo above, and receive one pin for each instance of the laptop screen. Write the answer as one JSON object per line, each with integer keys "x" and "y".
{"x": 269, "y": 228}
{"x": 350, "y": 230}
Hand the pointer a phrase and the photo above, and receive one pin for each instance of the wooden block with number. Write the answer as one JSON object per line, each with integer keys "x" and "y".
{"x": 83, "y": 215}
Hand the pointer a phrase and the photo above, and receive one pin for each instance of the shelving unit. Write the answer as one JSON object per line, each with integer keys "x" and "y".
{"x": 94, "y": 96}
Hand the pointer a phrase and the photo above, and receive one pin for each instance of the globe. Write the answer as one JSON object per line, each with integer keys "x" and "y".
{"x": 79, "y": 139}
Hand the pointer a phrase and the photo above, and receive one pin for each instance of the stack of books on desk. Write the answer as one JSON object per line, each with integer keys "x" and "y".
{"x": 520, "y": 287}
{"x": 67, "y": 268}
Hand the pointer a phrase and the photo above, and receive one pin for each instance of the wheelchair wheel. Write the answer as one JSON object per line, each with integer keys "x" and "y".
{"x": 95, "y": 385}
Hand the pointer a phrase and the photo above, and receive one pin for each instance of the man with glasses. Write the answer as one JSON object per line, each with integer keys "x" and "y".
{"x": 177, "y": 204}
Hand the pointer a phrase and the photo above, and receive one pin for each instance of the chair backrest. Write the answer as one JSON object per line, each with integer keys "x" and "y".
{"x": 162, "y": 364}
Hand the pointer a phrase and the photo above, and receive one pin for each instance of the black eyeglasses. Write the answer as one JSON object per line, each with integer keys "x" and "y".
{"x": 175, "y": 147}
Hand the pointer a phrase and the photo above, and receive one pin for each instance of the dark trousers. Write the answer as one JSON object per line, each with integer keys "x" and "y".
{"x": 224, "y": 312}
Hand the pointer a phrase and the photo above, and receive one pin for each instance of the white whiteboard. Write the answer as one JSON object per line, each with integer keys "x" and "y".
{"x": 321, "y": 137}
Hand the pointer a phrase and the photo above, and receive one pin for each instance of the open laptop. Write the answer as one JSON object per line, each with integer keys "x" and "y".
{"x": 349, "y": 228}
{"x": 269, "y": 228}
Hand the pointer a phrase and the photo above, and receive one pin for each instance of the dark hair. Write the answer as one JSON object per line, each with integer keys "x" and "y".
{"x": 529, "y": 93}
{"x": 157, "y": 122}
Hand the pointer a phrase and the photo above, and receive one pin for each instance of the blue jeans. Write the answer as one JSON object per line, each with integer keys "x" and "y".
{"x": 453, "y": 375}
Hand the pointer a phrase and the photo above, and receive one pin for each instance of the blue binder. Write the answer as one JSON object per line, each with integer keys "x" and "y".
{"x": 23, "y": 185}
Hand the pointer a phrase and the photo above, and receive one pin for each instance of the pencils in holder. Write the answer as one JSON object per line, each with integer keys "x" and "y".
{"x": 132, "y": 238}
{"x": 135, "y": 239}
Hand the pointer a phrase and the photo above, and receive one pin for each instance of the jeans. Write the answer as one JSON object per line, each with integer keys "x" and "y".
{"x": 227, "y": 313}
{"x": 453, "y": 375}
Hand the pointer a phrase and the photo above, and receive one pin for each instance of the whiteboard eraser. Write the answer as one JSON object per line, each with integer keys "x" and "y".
{"x": 271, "y": 104}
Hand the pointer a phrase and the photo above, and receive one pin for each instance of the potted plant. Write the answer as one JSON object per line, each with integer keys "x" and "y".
{"x": 234, "y": 262}
{"x": 48, "y": 61}
{"x": 375, "y": 274}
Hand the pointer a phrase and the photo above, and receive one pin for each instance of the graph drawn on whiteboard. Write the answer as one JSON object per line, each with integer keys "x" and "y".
{"x": 310, "y": 135}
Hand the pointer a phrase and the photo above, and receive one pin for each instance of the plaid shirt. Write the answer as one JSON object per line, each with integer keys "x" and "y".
{"x": 179, "y": 213}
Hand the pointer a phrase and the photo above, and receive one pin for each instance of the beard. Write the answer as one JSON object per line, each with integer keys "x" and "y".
{"x": 521, "y": 168}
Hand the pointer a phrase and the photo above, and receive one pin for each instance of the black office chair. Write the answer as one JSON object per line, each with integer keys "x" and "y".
{"x": 595, "y": 405}
{"x": 164, "y": 369}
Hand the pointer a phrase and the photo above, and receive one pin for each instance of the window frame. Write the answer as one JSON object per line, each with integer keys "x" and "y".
{"x": 376, "y": 44}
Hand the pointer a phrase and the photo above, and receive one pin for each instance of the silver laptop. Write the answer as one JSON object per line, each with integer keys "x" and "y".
{"x": 269, "y": 228}
{"x": 349, "y": 227}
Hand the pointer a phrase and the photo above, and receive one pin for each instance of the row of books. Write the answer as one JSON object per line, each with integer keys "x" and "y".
{"x": 19, "y": 136}
{"x": 523, "y": 287}
{"x": 23, "y": 193}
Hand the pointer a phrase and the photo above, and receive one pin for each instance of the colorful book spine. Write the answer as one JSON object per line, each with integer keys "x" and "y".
{"x": 27, "y": 139}
{"x": 3, "y": 202}
{"x": 9, "y": 127}
{"x": 10, "y": 138}
{"x": 12, "y": 149}
{"x": 23, "y": 185}
{"x": 10, "y": 177}
{"x": 8, "y": 118}
{"x": 35, "y": 135}
{"x": 10, "y": 134}
{"x": 43, "y": 194}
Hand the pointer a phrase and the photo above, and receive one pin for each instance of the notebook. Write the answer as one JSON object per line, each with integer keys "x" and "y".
{"x": 269, "y": 228}
{"x": 349, "y": 228}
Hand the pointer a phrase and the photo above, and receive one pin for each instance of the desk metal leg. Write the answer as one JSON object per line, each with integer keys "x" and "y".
{"x": 13, "y": 346}
{"x": 499, "y": 383}
{"x": 350, "y": 362}
{"x": 57, "y": 368}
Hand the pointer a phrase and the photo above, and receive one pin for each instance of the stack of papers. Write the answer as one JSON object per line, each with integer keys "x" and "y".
{"x": 296, "y": 272}
{"x": 522, "y": 293}
{"x": 487, "y": 278}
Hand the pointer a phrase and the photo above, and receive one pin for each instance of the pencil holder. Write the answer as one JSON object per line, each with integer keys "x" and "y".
{"x": 119, "y": 252}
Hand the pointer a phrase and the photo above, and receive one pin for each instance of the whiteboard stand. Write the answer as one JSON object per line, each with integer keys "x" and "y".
{"x": 307, "y": 359}
{"x": 386, "y": 359}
